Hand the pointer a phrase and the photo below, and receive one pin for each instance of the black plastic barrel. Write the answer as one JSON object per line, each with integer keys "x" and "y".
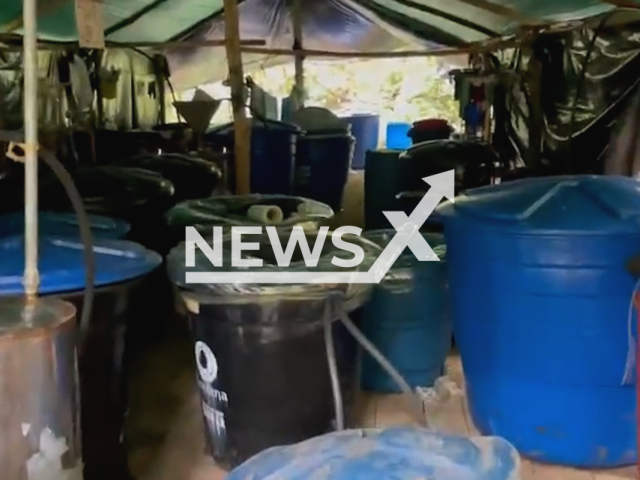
{"x": 64, "y": 224}
{"x": 381, "y": 186}
{"x": 323, "y": 160}
{"x": 136, "y": 195}
{"x": 192, "y": 177}
{"x": 474, "y": 163}
{"x": 121, "y": 267}
{"x": 261, "y": 356}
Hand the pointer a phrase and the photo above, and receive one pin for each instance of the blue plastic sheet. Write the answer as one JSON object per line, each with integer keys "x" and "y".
{"x": 392, "y": 454}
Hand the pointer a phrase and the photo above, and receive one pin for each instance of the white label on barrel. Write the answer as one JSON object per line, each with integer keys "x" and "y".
{"x": 206, "y": 362}
{"x": 216, "y": 417}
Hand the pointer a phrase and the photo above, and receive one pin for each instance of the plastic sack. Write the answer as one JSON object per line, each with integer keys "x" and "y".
{"x": 392, "y": 454}
{"x": 229, "y": 210}
{"x": 403, "y": 271}
{"x": 353, "y": 295}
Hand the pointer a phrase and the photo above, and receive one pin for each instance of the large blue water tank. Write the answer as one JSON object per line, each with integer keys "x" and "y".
{"x": 407, "y": 318}
{"x": 540, "y": 301}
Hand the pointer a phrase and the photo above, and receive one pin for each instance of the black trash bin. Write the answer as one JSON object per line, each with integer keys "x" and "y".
{"x": 260, "y": 349}
{"x": 121, "y": 267}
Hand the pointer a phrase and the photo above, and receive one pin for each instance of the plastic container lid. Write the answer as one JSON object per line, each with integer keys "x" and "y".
{"x": 64, "y": 224}
{"x": 431, "y": 124}
{"x": 578, "y": 205}
{"x": 259, "y": 123}
{"x": 61, "y": 263}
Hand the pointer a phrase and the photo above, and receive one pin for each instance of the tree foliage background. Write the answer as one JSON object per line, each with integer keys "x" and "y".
{"x": 401, "y": 89}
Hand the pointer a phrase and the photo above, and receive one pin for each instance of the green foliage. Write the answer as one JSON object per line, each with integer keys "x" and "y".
{"x": 397, "y": 89}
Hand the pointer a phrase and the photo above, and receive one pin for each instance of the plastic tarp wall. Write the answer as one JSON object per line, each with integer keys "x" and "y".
{"x": 586, "y": 101}
{"x": 339, "y": 25}
{"x": 135, "y": 104}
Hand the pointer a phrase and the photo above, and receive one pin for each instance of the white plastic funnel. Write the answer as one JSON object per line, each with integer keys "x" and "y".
{"x": 199, "y": 111}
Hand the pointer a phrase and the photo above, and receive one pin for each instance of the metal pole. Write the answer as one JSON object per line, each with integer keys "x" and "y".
{"x": 30, "y": 42}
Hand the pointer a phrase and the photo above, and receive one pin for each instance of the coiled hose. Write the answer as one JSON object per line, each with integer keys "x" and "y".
{"x": 413, "y": 401}
{"x": 83, "y": 223}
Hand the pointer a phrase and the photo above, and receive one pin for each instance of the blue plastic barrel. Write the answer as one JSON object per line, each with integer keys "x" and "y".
{"x": 120, "y": 267}
{"x": 398, "y": 135}
{"x": 366, "y": 130}
{"x": 323, "y": 161}
{"x": 407, "y": 318}
{"x": 64, "y": 224}
{"x": 541, "y": 305}
{"x": 273, "y": 153}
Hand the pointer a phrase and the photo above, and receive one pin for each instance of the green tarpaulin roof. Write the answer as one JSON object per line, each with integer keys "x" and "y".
{"x": 162, "y": 20}
{"x": 334, "y": 25}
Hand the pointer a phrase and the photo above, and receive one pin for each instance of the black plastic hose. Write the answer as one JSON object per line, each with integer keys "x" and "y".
{"x": 83, "y": 222}
{"x": 85, "y": 235}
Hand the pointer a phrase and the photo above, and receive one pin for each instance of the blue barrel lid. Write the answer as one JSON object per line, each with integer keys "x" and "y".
{"x": 64, "y": 224}
{"x": 61, "y": 263}
{"x": 579, "y": 204}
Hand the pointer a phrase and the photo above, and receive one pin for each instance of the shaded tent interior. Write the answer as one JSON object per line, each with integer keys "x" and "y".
{"x": 375, "y": 26}
{"x": 587, "y": 73}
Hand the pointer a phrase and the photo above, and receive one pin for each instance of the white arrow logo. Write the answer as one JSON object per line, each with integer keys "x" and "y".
{"x": 407, "y": 228}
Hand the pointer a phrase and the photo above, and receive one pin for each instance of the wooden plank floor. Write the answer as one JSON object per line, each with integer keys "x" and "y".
{"x": 168, "y": 441}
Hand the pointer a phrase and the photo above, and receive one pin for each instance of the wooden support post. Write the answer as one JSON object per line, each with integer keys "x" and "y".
{"x": 242, "y": 132}
{"x": 296, "y": 18}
